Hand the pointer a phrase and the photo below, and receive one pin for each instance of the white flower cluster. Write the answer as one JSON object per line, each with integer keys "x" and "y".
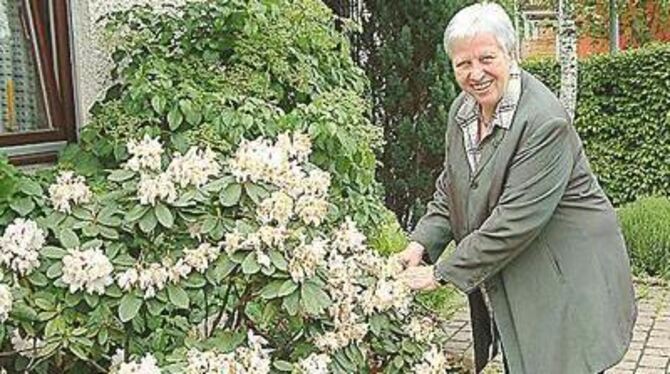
{"x": 306, "y": 258}
{"x": 88, "y": 270}
{"x": 69, "y": 189}
{"x": 6, "y": 301}
{"x": 314, "y": 364}
{"x": 193, "y": 168}
{"x": 280, "y": 164}
{"x": 347, "y": 264}
{"x": 434, "y": 361}
{"x": 146, "y": 365}
{"x": 158, "y": 187}
{"x": 20, "y": 246}
{"x": 421, "y": 329}
{"x": 146, "y": 154}
{"x": 27, "y": 347}
{"x": 253, "y": 359}
{"x": 154, "y": 277}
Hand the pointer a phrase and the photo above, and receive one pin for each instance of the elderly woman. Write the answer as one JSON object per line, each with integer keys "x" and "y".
{"x": 538, "y": 245}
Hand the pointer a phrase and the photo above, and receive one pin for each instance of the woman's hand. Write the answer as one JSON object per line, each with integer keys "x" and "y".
{"x": 411, "y": 255}
{"x": 420, "y": 278}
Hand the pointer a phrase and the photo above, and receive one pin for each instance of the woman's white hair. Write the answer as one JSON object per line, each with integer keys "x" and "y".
{"x": 479, "y": 19}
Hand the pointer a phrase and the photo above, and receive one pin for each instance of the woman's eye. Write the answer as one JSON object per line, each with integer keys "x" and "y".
{"x": 463, "y": 64}
{"x": 487, "y": 58}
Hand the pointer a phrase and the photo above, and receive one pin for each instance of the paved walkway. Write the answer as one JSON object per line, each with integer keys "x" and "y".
{"x": 649, "y": 352}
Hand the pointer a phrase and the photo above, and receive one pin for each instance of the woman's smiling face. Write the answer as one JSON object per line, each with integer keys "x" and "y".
{"x": 481, "y": 68}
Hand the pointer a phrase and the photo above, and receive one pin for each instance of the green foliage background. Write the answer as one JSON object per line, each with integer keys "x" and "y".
{"x": 412, "y": 87}
{"x": 646, "y": 228}
{"x": 623, "y": 118}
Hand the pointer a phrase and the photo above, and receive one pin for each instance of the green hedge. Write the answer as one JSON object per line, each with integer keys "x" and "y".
{"x": 623, "y": 117}
{"x": 646, "y": 228}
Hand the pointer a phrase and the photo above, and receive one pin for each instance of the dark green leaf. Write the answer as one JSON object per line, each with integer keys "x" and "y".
{"x": 164, "y": 216}
{"x": 22, "y": 206}
{"x": 178, "y": 297}
{"x": 68, "y": 238}
{"x": 129, "y": 306}
{"x": 230, "y": 195}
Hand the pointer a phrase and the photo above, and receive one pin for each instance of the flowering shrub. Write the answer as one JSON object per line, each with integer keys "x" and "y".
{"x": 219, "y": 265}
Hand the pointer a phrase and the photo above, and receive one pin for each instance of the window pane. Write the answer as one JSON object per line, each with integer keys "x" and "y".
{"x": 22, "y": 107}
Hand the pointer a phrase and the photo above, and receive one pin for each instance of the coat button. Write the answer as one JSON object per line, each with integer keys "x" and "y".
{"x": 474, "y": 185}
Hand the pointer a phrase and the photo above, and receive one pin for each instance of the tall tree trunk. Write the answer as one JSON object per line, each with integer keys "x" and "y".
{"x": 567, "y": 55}
{"x": 614, "y": 27}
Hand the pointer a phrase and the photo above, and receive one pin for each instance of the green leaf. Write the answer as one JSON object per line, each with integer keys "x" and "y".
{"x": 148, "y": 222}
{"x": 92, "y": 244}
{"x": 282, "y": 365}
{"x": 194, "y": 280}
{"x": 271, "y": 290}
{"x": 82, "y": 213}
{"x": 53, "y": 252}
{"x": 256, "y": 192}
{"x": 22, "y": 312}
{"x": 38, "y": 279}
{"x": 178, "y": 296}
{"x": 137, "y": 212}
{"x": 164, "y": 216}
{"x": 313, "y": 298}
{"x": 222, "y": 268}
{"x": 73, "y": 299}
{"x": 250, "y": 264}
{"x": 278, "y": 260}
{"x": 230, "y": 195}
{"x": 158, "y": 103}
{"x": 55, "y": 270}
{"x": 91, "y": 230}
{"x": 120, "y": 175}
{"x": 175, "y": 118}
{"x": 155, "y": 307}
{"x": 113, "y": 291}
{"x": 22, "y": 206}
{"x": 129, "y": 306}
{"x": 291, "y": 303}
{"x": 68, "y": 238}
{"x": 30, "y": 187}
{"x": 108, "y": 233}
{"x": 287, "y": 288}
{"x": 103, "y": 335}
{"x": 191, "y": 112}
{"x": 91, "y": 299}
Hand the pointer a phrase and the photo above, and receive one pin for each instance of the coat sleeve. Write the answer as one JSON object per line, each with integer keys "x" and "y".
{"x": 536, "y": 182}
{"x": 434, "y": 230}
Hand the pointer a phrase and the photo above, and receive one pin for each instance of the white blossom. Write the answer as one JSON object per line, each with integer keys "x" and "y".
{"x": 146, "y": 154}
{"x": 88, "y": 270}
{"x": 153, "y": 188}
{"x": 27, "y": 347}
{"x": 315, "y": 364}
{"x": 276, "y": 208}
{"x": 233, "y": 241}
{"x": 68, "y": 190}
{"x": 250, "y": 359}
{"x": 347, "y": 237}
{"x": 193, "y": 168}
{"x": 316, "y": 183}
{"x": 434, "y": 361}
{"x": 421, "y": 329}
{"x": 6, "y": 301}
{"x": 201, "y": 257}
{"x": 312, "y": 210}
{"x": 20, "y": 245}
{"x": 306, "y": 258}
{"x": 146, "y": 365}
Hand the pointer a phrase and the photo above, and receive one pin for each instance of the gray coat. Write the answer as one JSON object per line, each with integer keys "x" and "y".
{"x": 534, "y": 228}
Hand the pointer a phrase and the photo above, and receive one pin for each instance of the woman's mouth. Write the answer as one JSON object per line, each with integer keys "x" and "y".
{"x": 483, "y": 86}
